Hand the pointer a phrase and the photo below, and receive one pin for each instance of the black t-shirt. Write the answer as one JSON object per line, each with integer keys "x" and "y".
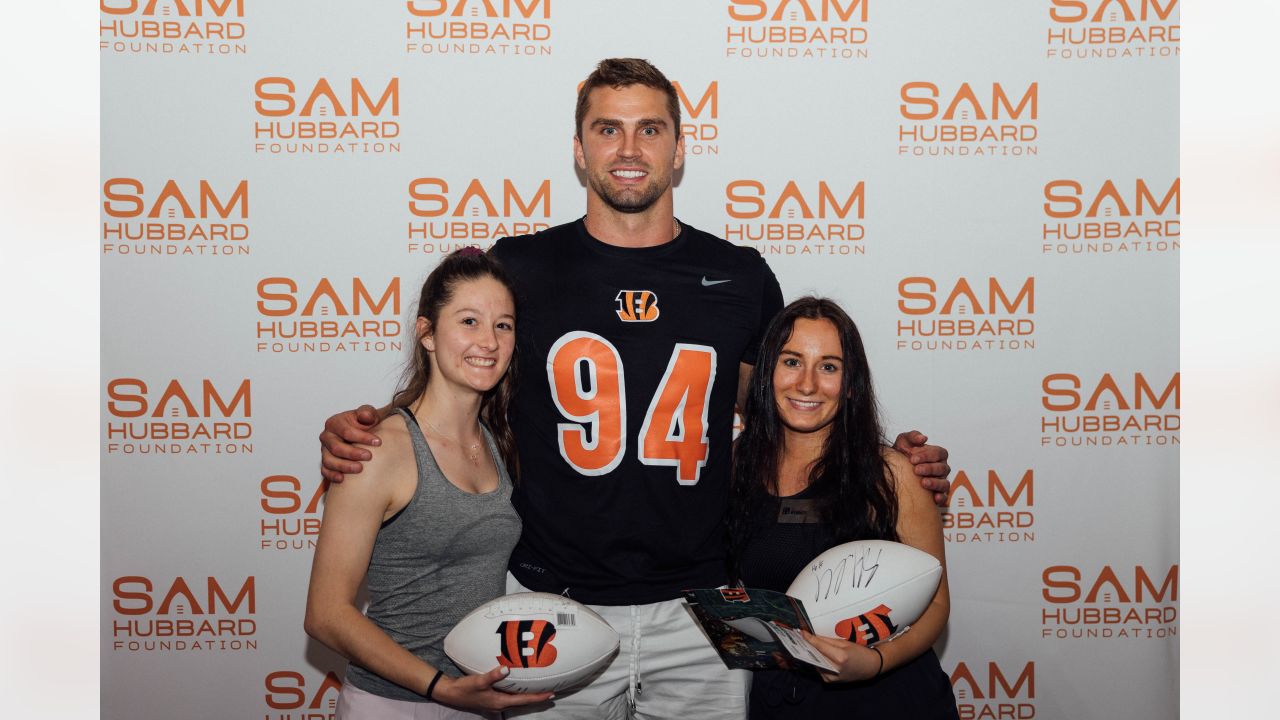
{"x": 628, "y": 368}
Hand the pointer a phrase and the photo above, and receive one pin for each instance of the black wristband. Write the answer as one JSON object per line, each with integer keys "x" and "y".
{"x": 431, "y": 688}
{"x": 878, "y": 670}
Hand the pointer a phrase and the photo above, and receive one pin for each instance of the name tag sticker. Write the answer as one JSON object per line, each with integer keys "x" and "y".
{"x": 797, "y": 511}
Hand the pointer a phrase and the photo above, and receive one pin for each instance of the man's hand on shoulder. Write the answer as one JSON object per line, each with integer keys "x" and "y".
{"x": 929, "y": 462}
{"x": 339, "y": 455}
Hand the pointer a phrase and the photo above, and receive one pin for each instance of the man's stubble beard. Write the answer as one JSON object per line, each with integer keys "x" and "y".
{"x": 627, "y": 201}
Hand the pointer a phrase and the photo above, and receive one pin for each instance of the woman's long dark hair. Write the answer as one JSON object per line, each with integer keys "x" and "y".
{"x": 458, "y": 267}
{"x": 850, "y": 481}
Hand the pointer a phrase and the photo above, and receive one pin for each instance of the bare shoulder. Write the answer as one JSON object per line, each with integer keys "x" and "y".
{"x": 919, "y": 522}
{"x": 389, "y": 467}
{"x": 903, "y": 474}
{"x": 396, "y": 448}
{"x": 393, "y": 430}
{"x": 899, "y": 466}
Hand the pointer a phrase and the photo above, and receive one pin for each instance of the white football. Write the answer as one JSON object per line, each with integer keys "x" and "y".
{"x": 548, "y": 642}
{"x": 866, "y": 591}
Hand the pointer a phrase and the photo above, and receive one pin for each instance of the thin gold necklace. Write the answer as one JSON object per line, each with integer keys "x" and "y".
{"x": 675, "y": 228}
{"x": 472, "y": 450}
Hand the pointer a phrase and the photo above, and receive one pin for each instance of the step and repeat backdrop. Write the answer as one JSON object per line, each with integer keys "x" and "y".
{"x": 991, "y": 188}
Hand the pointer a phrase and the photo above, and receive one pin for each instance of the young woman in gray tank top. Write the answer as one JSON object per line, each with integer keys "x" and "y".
{"x": 429, "y": 522}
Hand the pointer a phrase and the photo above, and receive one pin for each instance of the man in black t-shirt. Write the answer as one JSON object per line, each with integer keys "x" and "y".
{"x": 629, "y": 364}
{"x": 636, "y": 334}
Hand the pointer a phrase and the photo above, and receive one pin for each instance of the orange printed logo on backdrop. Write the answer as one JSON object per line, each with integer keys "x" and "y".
{"x": 749, "y": 199}
{"x": 919, "y": 296}
{"x": 1067, "y": 199}
{"x": 429, "y": 198}
{"x": 180, "y": 219}
{"x": 131, "y": 398}
{"x": 981, "y": 513}
{"x": 1110, "y": 218}
{"x": 972, "y": 120}
{"x": 126, "y": 198}
{"x": 447, "y": 216}
{"x": 518, "y": 28}
{"x": 1112, "y": 410}
{"x": 1064, "y": 392}
{"x": 798, "y": 218}
{"x": 990, "y": 690}
{"x": 341, "y": 116}
{"x": 920, "y": 101}
{"x": 797, "y": 29}
{"x": 278, "y": 297}
{"x": 1113, "y": 29}
{"x": 275, "y": 97}
{"x": 198, "y": 614}
{"x": 952, "y": 315}
{"x": 180, "y": 8}
{"x": 181, "y": 419}
{"x": 1069, "y": 584}
{"x": 292, "y": 516}
{"x": 709, "y": 100}
{"x": 281, "y": 495}
{"x": 139, "y": 595}
{"x": 1074, "y": 11}
{"x": 997, "y": 683}
{"x": 800, "y": 10}
{"x": 700, "y": 126}
{"x": 172, "y": 27}
{"x": 1113, "y": 602}
{"x": 307, "y": 316}
{"x": 287, "y": 690}
{"x": 480, "y": 8}
{"x": 997, "y": 495}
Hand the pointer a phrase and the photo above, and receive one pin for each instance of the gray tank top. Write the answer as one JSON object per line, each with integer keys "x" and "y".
{"x": 435, "y": 561}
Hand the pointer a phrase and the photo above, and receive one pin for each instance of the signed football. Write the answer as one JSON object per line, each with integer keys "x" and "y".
{"x": 867, "y": 591}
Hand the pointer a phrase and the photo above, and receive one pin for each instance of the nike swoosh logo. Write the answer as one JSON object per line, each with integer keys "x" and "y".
{"x": 709, "y": 283}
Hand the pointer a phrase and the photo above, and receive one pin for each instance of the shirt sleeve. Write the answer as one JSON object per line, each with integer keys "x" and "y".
{"x": 501, "y": 250}
{"x": 770, "y": 304}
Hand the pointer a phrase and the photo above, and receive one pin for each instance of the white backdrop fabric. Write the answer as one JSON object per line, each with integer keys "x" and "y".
{"x": 991, "y": 189}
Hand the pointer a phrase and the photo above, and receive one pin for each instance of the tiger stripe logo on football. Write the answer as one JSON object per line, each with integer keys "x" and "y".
{"x": 868, "y": 628}
{"x": 526, "y": 643}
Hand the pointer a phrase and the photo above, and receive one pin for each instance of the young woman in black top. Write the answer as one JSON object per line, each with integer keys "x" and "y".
{"x": 812, "y": 450}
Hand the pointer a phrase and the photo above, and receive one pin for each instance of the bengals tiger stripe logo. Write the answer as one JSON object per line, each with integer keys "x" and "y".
{"x": 868, "y": 628}
{"x": 526, "y": 643}
{"x": 637, "y": 305}
{"x": 735, "y": 594}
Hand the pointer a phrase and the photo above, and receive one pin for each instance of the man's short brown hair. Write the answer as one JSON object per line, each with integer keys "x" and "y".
{"x": 618, "y": 73}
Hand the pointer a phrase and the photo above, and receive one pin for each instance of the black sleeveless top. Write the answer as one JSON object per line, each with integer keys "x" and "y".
{"x": 785, "y": 535}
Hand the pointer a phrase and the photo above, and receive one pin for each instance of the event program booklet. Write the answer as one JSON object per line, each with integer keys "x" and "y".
{"x": 755, "y": 629}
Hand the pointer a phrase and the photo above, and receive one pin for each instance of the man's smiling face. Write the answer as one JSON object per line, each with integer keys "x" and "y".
{"x": 628, "y": 147}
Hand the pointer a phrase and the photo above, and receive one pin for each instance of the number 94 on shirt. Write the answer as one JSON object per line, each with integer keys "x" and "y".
{"x": 588, "y": 385}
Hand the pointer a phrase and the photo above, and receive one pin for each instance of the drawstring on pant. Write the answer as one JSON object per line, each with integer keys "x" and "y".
{"x": 633, "y": 669}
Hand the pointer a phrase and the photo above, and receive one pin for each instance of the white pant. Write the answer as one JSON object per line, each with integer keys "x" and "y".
{"x": 665, "y": 668}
